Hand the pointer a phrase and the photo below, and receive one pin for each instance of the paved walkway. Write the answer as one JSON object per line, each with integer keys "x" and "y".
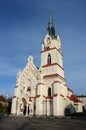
{"x": 41, "y": 123}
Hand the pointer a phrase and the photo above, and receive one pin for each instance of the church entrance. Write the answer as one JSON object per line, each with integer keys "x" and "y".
{"x": 48, "y": 107}
{"x": 24, "y": 106}
{"x": 28, "y": 110}
{"x": 24, "y": 110}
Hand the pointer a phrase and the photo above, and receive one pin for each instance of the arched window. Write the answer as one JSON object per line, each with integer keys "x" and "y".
{"x": 28, "y": 89}
{"x": 49, "y": 91}
{"x": 49, "y": 59}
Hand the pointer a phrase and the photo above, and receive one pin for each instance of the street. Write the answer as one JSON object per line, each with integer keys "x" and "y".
{"x": 41, "y": 123}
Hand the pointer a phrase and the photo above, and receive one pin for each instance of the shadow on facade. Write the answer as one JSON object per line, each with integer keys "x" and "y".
{"x": 69, "y": 110}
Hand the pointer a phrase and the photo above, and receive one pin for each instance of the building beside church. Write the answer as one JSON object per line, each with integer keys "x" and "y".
{"x": 83, "y": 100}
{"x": 43, "y": 91}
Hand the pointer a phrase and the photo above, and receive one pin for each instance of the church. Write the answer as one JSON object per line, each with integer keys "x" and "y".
{"x": 43, "y": 91}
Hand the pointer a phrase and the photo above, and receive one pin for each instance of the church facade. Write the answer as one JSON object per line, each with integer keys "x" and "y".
{"x": 43, "y": 91}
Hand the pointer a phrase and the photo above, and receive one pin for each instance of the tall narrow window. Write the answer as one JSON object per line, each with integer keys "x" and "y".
{"x": 49, "y": 91}
{"x": 28, "y": 89}
{"x": 49, "y": 59}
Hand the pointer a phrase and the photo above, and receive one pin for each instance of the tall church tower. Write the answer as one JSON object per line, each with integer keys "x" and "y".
{"x": 52, "y": 89}
{"x": 43, "y": 91}
{"x": 51, "y": 54}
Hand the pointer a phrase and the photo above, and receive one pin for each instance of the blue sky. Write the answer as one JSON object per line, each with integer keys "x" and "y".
{"x": 23, "y": 25}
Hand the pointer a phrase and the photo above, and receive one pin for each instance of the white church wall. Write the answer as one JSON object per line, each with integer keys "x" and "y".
{"x": 40, "y": 106}
{"x": 79, "y": 107}
{"x": 14, "y": 107}
{"x": 37, "y": 106}
{"x": 54, "y": 69}
{"x": 55, "y": 105}
{"x": 58, "y": 106}
{"x": 48, "y": 107}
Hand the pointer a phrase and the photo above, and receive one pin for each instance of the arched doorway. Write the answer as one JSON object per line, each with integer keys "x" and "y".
{"x": 28, "y": 110}
{"x": 24, "y": 106}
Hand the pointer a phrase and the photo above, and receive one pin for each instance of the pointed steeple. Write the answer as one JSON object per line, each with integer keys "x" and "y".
{"x": 50, "y": 23}
{"x": 51, "y": 29}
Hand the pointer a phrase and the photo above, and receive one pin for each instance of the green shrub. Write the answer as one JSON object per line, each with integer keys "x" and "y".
{"x": 3, "y": 108}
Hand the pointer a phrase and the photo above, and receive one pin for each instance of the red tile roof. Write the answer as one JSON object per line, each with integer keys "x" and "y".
{"x": 2, "y": 99}
{"x": 74, "y": 98}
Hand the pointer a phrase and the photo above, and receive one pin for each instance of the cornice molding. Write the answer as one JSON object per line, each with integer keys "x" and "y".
{"x": 49, "y": 49}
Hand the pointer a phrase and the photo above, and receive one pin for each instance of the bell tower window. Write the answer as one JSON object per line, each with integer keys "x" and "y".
{"x": 49, "y": 59}
{"x": 49, "y": 91}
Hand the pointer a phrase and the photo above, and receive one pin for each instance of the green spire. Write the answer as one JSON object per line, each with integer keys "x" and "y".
{"x": 50, "y": 29}
{"x": 50, "y": 24}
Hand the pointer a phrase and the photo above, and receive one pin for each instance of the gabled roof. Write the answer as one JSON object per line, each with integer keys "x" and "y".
{"x": 74, "y": 98}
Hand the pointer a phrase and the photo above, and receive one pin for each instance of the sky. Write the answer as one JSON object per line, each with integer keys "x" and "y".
{"x": 23, "y": 26}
